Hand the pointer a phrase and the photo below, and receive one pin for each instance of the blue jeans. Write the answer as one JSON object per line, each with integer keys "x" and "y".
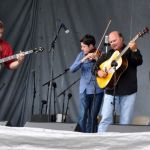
{"x": 88, "y": 112}
{"x": 124, "y": 105}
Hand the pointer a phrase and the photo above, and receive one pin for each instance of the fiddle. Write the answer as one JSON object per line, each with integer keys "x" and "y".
{"x": 94, "y": 54}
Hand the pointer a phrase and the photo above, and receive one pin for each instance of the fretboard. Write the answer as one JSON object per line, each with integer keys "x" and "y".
{"x": 13, "y": 57}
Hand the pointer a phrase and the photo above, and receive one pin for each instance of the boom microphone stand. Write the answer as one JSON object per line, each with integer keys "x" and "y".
{"x": 67, "y": 107}
{"x": 93, "y": 108}
{"x": 34, "y": 91}
{"x": 52, "y": 49}
{"x": 63, "y": 93}
{"x": 65, "y": 71}
{"x": 54, "y": 85}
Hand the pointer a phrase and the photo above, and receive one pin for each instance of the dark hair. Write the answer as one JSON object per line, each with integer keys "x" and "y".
{"x": 88, "y": 39}
{"x": 120, "y": 34}
{"x": 1, "y": 24}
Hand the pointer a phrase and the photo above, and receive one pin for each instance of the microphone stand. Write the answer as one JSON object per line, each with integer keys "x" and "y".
{"x": 93, "y": 108}
{"x": 51, "y": 80}
{"x": 67, "y": 107}
{"x": 51, "y": 73}
{"x": 34, "y": 92}
{"x": 56, "y": 77}
{"x": 63, "y": 93}
{"x": 54, "y": 86}
{"x": 114, "y": 64}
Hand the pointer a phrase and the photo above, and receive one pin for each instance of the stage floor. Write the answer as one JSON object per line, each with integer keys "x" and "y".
{"x": 25, "y": 138}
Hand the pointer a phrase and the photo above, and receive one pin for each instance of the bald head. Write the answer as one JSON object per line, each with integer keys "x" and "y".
{"x": 116, "y": 40}
{"x": 116, "y": 33}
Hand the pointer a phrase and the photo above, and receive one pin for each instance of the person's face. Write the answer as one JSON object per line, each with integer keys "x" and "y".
{"x": 1, "y": 32}
{"x": 85, "y": 48}
{"x": 116, "y": 42}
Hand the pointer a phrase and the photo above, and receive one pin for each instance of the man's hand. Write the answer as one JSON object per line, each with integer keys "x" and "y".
{"x": 102, "y": 74}
{"x": 20, "y": 57}
{"x": 133, "y": 46}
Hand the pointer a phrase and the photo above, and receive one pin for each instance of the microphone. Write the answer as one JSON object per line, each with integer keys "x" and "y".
{"x": 69, "y": 95}
{"x": 106, "y": 43}
{"x": 66, "y": 69}
{"x": 65, "y": 28}
{"x": 54, "y": 84}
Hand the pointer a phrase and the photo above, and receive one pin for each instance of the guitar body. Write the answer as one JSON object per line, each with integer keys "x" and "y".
{"x": 112, "y": 78}
{"x": 116, "y": 76}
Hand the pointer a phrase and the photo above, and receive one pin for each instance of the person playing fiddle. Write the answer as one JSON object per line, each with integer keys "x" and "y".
{"x": 89, "y": 93}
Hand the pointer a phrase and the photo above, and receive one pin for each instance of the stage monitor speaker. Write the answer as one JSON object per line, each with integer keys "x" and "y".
{"x": 3, "y": 123}
{"x": 55, "y": 126}
{"x": 128, "y": 128}
{"x": 39, "y": 118}
{"x": 44, "y": 118}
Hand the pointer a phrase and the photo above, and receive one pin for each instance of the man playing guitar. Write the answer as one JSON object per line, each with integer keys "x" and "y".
{"x": 6, "y": 50}
{"x": 126, "y": 85}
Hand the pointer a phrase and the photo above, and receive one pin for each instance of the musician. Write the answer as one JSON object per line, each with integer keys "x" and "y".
{"x": 88, "y": 86}
{"x": 6, "y": 50}
{"x": 126, "y": 88}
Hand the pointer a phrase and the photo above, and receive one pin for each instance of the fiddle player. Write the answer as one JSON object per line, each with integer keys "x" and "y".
{"x": 88, "y": 86}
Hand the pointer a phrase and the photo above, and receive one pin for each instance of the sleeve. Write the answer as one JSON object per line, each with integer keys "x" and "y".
{"x": 77, "y": 63}
{"x": 8, "y": 51}
{"x": 136, "y": 58}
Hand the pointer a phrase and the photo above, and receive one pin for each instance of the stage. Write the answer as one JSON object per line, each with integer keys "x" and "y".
{"x": 25, "y": 138}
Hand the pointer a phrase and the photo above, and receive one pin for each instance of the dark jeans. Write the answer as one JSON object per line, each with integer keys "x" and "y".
{"x": 89, "y": 109}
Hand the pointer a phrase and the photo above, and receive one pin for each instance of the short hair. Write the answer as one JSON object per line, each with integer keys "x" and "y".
{"x": 88, "y": 39}
{"x": 120, "y": 34}
{"x": 1, "y": 24}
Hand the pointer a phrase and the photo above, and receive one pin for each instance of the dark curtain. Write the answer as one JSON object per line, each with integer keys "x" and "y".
{"x": 34, "y": 23}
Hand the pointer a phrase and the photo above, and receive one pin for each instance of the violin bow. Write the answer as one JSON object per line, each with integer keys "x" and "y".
{"x": 97, "y": 51}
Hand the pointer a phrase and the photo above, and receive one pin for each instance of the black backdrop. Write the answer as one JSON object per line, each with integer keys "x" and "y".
{"x": 33, "y": 23}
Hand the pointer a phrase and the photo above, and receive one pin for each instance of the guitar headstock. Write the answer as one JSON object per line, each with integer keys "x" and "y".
{"x": 145, "y": 30}
{"x": 40, "y": 49}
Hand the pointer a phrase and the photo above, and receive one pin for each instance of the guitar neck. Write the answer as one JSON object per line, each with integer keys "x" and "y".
{"x": 127, "y": 47}
{"x": 14, "y": 56}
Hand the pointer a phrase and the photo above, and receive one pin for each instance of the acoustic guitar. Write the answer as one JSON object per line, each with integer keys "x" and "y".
{"x": 121, "y": 65}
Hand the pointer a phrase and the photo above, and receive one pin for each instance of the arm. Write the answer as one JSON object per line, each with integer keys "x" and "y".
{"x": 8, "y": 51}
{"x": 136, "y": 57}
{"x": 77, "y": 63}
{"x": 18, "y": 62}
